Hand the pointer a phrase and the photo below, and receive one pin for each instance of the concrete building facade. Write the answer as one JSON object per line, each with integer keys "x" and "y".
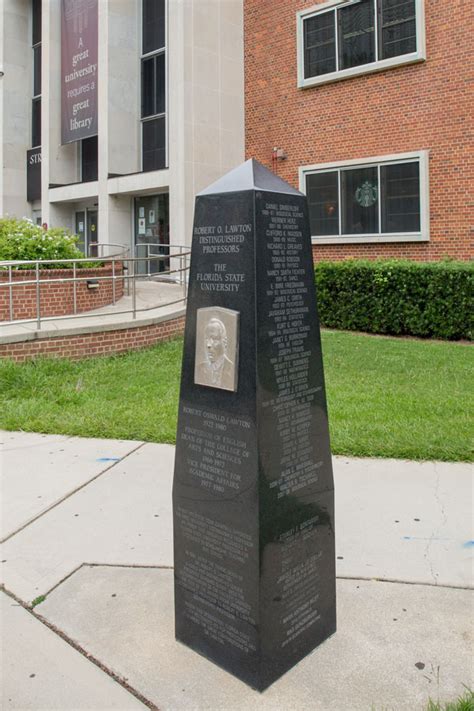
{"x": 170, "y": 117}
{"x": 369, "y": 104}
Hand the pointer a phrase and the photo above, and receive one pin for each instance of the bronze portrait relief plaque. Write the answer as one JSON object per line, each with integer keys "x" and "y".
{"x": 217, "y": 348}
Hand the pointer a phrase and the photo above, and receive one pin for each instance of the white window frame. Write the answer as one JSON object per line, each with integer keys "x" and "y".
{"x": 378, "y": 66}
{"x": 422, "y": 236}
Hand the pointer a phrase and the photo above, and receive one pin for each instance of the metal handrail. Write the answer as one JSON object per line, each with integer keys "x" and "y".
{"x": 121, "y": 254}
{"x": 129, "y": 274}
{"x": 65, "y": 280}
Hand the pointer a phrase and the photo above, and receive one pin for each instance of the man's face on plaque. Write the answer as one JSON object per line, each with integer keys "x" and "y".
{"x": 214, "y": 342}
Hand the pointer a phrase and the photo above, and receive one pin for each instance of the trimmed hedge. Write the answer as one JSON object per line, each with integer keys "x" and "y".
{"x": 428, "y": 300}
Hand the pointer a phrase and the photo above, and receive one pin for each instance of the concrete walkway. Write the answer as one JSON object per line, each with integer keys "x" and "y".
{"x": 88, "y": 525}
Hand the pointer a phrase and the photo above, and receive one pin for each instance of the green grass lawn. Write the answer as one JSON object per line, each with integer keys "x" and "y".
{"x": 463, "y": 703}
{"x": 387, "y": 397}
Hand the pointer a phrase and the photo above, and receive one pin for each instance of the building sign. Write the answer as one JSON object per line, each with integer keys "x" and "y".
{"x": 33, "y": 174}
{"x": 79, "y": 51}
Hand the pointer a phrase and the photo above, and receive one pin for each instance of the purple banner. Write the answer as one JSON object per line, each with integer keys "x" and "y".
{"x": 79, "y": 50}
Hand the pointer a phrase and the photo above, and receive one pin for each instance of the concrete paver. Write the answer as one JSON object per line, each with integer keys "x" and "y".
{"x": 38, "y": 470}
{"x": 42, "y": 672}
{"x": 122, "y": 517}
{"x": 409, "y": 521}
{"x": 396, "y": 646}
{"x": 395, "y": 520}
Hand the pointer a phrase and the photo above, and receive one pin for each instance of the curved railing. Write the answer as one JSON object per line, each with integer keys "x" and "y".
{"x": 168, "y": 264}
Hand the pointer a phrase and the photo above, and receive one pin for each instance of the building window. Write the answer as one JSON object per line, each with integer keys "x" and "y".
{"x": 379, "y": 199}
{"x": 348, "y": 38}
{"x": 154, "y": 145}
{"x": 154, "y": 85}
{"x": 89, "y": 159}
{"x": 154, "y": 24}
{"x": 36, "y": 100}
{"x": 36, "y": 122}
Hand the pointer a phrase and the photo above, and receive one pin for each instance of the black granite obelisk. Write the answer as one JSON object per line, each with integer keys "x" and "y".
{"x": 253, "y": 494}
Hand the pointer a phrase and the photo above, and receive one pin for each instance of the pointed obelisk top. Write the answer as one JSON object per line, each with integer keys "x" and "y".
{"x": 250, "y": 175}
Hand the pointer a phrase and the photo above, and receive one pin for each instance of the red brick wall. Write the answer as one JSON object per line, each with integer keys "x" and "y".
{"x": 57, "y": 299}
{"x": 94, "y": 344}
{"x": 422, "y": 106}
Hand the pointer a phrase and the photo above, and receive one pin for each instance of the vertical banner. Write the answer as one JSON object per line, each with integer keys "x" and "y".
{"x": 33, "y": 174}
{"x": 79, "y": 50}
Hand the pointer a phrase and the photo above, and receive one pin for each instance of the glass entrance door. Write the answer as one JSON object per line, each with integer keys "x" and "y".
{"x": 80, "y": 229}
{"x": 152, "y": 233}
{"x": 92, "y": 233}
{"x": 86, "y": 230}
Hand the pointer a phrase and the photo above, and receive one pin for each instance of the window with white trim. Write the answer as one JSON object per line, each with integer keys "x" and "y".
{"x": 342, "y": 39}
{"x": 377, "y": 199}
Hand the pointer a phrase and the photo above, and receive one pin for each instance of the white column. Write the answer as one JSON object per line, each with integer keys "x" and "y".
{"x": 102, "y": 111}
{"x": 206, "y": 101}
{"x": 119, "y": 220}
{"x": 123, "y": 86}
{"x": 16, "y": 91}
{"x": 181, "y": 178}
{"x": 118, "y": 107}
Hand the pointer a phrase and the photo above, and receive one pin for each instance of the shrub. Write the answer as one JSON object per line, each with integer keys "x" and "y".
{"x": 23, "y": 240}
{"x": 428, "y": 300}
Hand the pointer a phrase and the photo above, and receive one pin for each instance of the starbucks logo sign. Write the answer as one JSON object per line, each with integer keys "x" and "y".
{"x": 366, "y": 194}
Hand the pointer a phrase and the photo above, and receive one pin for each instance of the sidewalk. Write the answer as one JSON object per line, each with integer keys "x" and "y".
{"x": 88, "y": 524}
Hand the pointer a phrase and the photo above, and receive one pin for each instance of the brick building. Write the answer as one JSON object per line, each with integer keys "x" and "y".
{"x": 369, "y": 101}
